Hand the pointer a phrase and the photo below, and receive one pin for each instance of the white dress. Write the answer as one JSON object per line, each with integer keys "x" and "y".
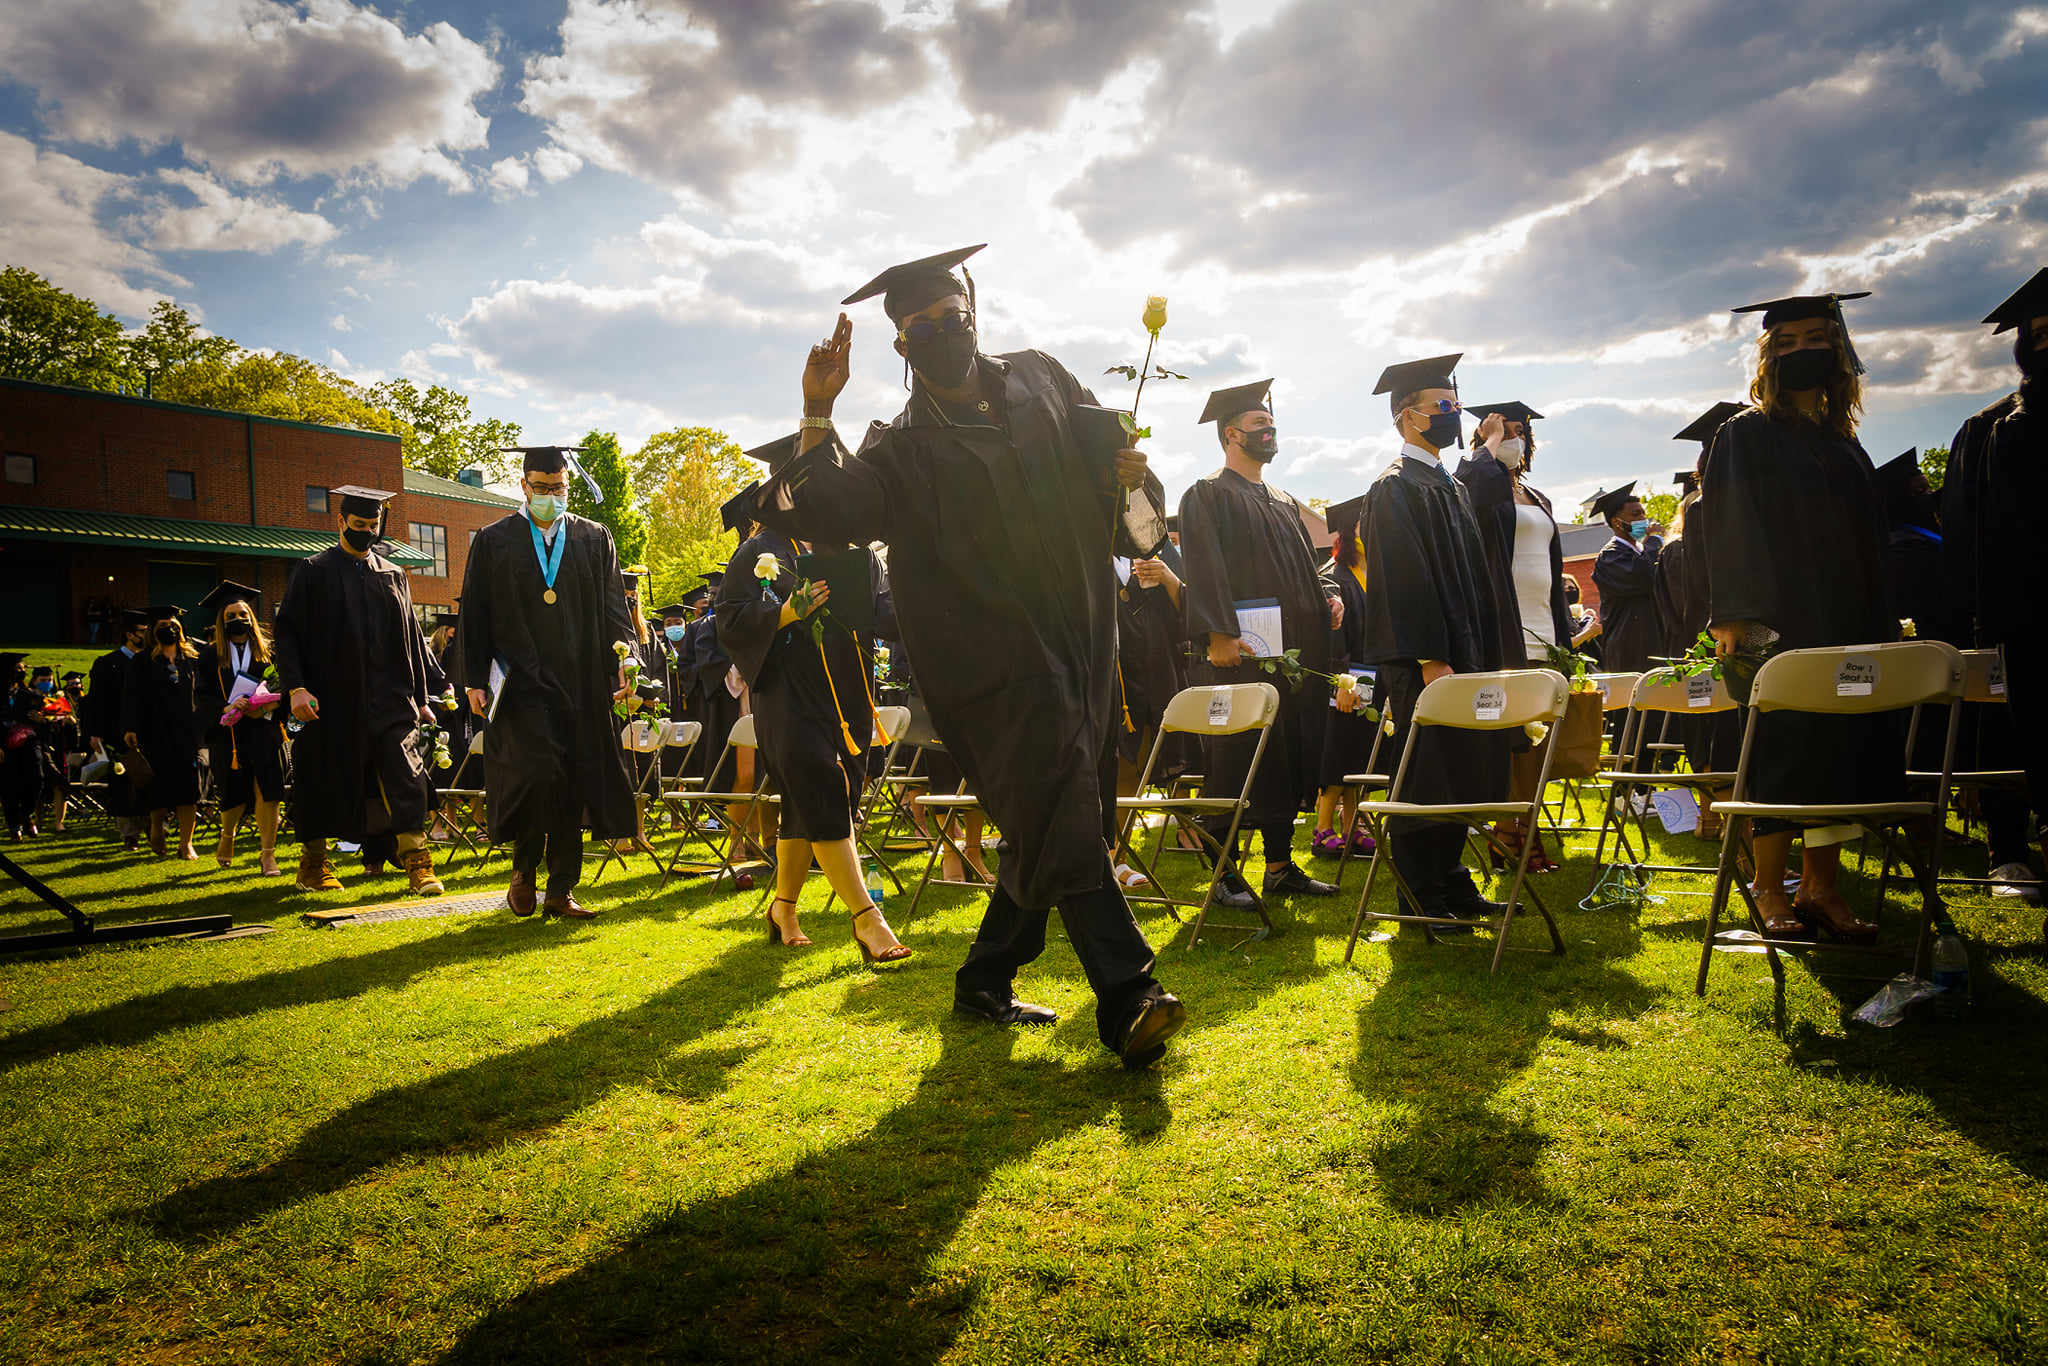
{"x": 1533, "y": 530}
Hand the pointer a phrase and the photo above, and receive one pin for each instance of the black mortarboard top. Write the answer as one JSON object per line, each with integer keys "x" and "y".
{"x": 918, "y": 284}
{"x": 676, "y": 609}
{"x": 1173, "y": 523}
{"x": 2027, "y": 303}
{"x": 357, "y": 501}
{"x": 1800, "y": 307}
{"x": 163, "y": 612}
{"x": 73, "y": 673}
{"x": 737, "y": 512}
{"x": 229, "y": 591}
{"x": 635, "y": 571}
{"x": 1512, "y": 411}
{"x": 1703, "y": 427}
{"x": 1239, "y": 399}
{"x": 1687, "y": 481}
{"x": 1343, "y": 517}
{"x": 42, "y": 669}
{"x": 1895, "y": 473}
{"x": 1609, "y": 505}
{"x": 10, "y": 661}
{"x": 1412, "y": 376}
{"x": 777, "y": 453}
{"x": 447, "y": 619}
{"x": 132, "y": 617}
{"x": 714, "y": 577}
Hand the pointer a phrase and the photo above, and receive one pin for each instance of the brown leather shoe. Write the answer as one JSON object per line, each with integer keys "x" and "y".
{"x": 419, "y": 869}
{"x": 520, "y": 894}
{"x": 316, "y": 872}
{"x": 567, "y": 907}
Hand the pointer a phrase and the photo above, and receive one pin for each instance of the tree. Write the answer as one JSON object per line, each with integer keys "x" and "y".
{"x": 1661, "y": 508}
{"x": 277, "y": 385}
{"x": 684, "y": 476}
{"x": 1934, "y": 464}
{"x": 605, "y": 462}
{"x": 441, "y": 437}
{"x": 54, "y": 337}
{"x": 171, "y": 344}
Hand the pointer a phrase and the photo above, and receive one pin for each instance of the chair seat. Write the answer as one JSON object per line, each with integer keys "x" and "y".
{"x": 1176, "y": 803}
{"x": 668, "y": 795}
{"x": 1367, "y": 780}
{"x": 1668, "y": 779}
{"x": 1448, "y": 808}
{"x": 1971, "y": 775}
{"x": 1792, "y": 809}
{"x": 950, "y": 799}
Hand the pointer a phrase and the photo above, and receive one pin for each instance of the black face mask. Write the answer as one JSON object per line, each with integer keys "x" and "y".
{"x": 1799, "y": 371}
{"x": 167, "y": 635}
{"x": 1926, "y": 511}
{"x": 2033, "y": 362}
{"x": 944, "y": 361}
{"x": 359, "y": 541}
{"x": 238, "y": 630}
{"x": 1443, "y": 431}
{"x": 1261, "y": 445}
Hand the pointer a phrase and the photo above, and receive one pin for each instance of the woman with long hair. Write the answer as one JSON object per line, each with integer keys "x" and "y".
{"x": 1796, "y": 548}
{"x": 156, "y": 719}
{"x": 246, "y": 757}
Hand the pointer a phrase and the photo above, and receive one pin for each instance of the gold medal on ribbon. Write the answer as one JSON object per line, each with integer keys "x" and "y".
{"x": 548, "y": 597}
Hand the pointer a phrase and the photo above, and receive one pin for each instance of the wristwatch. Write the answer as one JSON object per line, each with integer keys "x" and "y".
{"x": 823, "y": 424}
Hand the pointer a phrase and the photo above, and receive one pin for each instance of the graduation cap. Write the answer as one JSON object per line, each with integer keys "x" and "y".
{"x": 1703, "y": 427}
{"x": 1342, "y": 518}
{"x": 1412, "y": 376}
{"x": 1513, "y": 411}
{"x": 1800, "y": 307}
{"x": 446, "y": 619}
{"x": 1173, "y": 523}
{"x": 636, "y": 571}
{"x": 10, "y": 661}
{"x": 1239, "y": 399}
{"x": 163, "y": 612}
{"x": 1609, "y": 505}
{"x": 229, "y": 591}
{"x": 1688, "y": 481}
{"x": 777, "y": 453}
{"x": 1895, "y": 474}
{"x": 737, "y": 512}
{"x": 357, "y": 501}
{"x": 919, "y": 284}
{"x": 714, "y": 577}
{"x": 552, "y": 460}
{"x": 2027, "y": 303}
{"x": 132, "y": 618}
{"x": 74, "y": 674}
{"x": 677, "y": 609}
{"x": 42, "y": 669}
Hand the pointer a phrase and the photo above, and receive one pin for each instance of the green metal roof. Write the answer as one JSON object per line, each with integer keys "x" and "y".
{"x": 178, "y": 533}
{"x": 434, "y": 486}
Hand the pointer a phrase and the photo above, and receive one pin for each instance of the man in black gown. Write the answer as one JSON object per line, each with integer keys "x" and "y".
{"x": 1244, "y": 542}
{"x": 102, "y": 720}
{"x": 1626, "y": 575}
{"x": 1430, "y": 612}
{"x": 349, "y": 653}
{"x": 544, "y": 601}
{"x": 1000, "y": 531}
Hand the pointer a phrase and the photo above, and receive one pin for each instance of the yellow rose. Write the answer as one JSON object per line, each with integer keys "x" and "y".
{"x": 1347, "y": 683}
{"x": 1536, "y": 730}
{"x": 1907, "y": 630}
{"x": 621, "y": 648}
{"x": 767, "y": 567}
{"x": 1155, "y": 313}
{"x": 1387, "y": 726}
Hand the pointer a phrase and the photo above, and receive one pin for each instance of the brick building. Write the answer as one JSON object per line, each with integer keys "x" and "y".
{"x": 105, "y": 497}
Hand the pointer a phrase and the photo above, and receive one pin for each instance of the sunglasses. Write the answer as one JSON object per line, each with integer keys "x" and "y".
{"x": 1442, "y": 405}
{"x": 931, "y": 329}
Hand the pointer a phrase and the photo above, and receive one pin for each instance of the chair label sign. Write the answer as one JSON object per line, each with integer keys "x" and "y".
{"x": 1699, "y": 690}
{"x": 1994, "y": 677}
{"x": 1857, "y": 676}
{"x": 1219, "y": 707}
{"x": 1489, "y": 702}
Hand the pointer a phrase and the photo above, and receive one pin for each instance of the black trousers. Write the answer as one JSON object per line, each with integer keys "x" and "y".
{"x": 1105, "y": 936}
{"x": 2026, "y": 700}
{"x": 1448, "y": 765}
{"x": 563, "y": 850}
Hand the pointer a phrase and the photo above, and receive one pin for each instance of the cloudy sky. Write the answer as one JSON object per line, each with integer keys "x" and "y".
{"x": 637, "y": 214}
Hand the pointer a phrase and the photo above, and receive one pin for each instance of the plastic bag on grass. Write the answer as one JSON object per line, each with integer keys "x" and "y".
{"x": 1894, "y": 999}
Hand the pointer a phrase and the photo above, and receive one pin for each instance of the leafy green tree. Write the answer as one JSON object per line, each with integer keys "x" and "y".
{"x": 277, "y": 385}
{"x": 1661, "y": 508}
{"x": 171, "y": 344}
{"x": 605, "y": 462}
{"x": 684, "y": 476}
{"x": 52, "y": 336}
{"x": 1934, "y": 464}
{"x": 441, "y": 435}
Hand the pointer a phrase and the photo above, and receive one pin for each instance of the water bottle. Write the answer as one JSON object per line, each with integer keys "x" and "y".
{"x": 873, "y": 877}
{"x": 1951, "y": 974}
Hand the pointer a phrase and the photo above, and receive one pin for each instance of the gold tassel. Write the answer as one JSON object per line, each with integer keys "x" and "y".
{"x": 1123, "y": 698}
{"x": 851, "y": 748}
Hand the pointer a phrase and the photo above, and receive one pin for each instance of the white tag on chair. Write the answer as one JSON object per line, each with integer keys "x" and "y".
{"x": 1856, "y": 677}
{"x": 1489, "y": 702}
{"x": 1699, "y": 690}
{"x": 1219, "y": 707}
{"x": 1994, "y": 678}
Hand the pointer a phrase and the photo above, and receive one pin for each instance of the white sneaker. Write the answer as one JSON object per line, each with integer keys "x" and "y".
{"x": 2015, "y": 879}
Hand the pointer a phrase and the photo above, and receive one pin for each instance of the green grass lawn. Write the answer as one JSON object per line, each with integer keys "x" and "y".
{"x": 655, "y": 1137}
{"x": 62, "y": 658}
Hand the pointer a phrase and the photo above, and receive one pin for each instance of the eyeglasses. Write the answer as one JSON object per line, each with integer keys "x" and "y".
{"x": 1446, "y": 405}
{"x": 929, "y": 329}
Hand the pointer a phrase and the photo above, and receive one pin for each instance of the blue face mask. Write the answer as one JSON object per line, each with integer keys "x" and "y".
{"x": 45, "y": 686}
{"x": 1637, "y": 528}
{"x": 674, "y": 632}
{"x": 545, "y": 507}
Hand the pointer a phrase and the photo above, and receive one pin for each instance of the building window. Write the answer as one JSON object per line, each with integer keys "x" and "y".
{"x": 316, "y": 498}
{"x": 430, "y": 540}
{"x": 181, "y": 485}
{"x": 21, "y": 469}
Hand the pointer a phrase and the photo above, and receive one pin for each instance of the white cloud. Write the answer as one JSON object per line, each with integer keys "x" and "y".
{"x": 52, "y": 226}
{"x": 340, "y": 323}
{"x": 509, "y": 177}
{"x": 256, "y": 88}
{"x": 223, "y": 221}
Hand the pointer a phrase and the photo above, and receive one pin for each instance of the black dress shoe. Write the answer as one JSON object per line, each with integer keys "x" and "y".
{"x": 1291, "y": 881}
{"x": 1158, "y": 1019}
{"x": 1003, "y": 1010}
{"x": 1441, "y": 910}
{"x": 1231, "y": 893}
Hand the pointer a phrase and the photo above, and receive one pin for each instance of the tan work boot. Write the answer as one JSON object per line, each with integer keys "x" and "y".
{"x": 419, "y": 868}
{"x": 316, "y": 873}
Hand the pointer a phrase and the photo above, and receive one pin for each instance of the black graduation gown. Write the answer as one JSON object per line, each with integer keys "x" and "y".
{"x": 1348, "y": 739}
{"x": 1491, "y": 486}
{"x": 1796, "y": 538}
{"x": 1432, "y": 599}
{"x": 156, "y": 709}
{"x": 1151, "y": 661}
{"x": 553, "y": 748}
{"x": 1245, "y": 541}
{"x": 247, "y": 758}
{"x": 1713, "y": 744}
{"x": 1000, "y": 545}
{"x": 1631, "y": 630}
{"x": 346, "y": 633}
{"x": 798, "y": 708}
{"x": 703, "y": 665}
{"x": 105, "y": 684}
{"x": 22, "y": 769}
{"x": 663, "y": 660}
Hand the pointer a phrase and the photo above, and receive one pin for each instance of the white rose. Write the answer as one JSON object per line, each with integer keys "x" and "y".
{"x": 1347, "y": 683}
{"x": 767, "y": 567}
{"x": 1536, "y": 730}
{"x": 1387, "y": 726}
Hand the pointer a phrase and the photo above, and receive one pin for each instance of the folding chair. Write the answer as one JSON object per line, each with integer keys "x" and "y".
{"x": 1615, "y": 691}
{"x": 1224, "y": 709}
{"x": 640, "y": 737}
{"x": 460, "y": 807}
{"x": 1851, "y": 680}
{"x": 890, "y": 725}
{"x": 1483, "y": 701}
{"x": 1371, "y": 781}
{"x": 692, "y": 799}
{"x": 1983, "y": 683}
{"x": 942, "y": 807}
{"x": 1660, "y": 693}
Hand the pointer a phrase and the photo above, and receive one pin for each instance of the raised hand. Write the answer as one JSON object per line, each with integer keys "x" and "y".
{"x": 827, "y": 369}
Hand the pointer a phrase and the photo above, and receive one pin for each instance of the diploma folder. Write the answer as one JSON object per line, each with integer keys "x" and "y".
{"x": 1258, "y": 623}
{"x": 851, "y": 574}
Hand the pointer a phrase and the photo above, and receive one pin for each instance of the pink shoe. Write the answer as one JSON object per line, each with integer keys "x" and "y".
{"x": 1362, "y": 844}
{"x": 1327, "y": 845}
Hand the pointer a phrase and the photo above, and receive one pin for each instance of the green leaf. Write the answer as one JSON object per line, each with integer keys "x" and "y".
{"x": 1127, "y": 371}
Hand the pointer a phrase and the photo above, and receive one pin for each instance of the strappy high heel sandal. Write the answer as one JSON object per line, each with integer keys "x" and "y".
{"x": 868, "y": 955}
{"x": 796, "y": 938}
{"x": 1539, "y": 860}
{"x": 1509, "y": 833}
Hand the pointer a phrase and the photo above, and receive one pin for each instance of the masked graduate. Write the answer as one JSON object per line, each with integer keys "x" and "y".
{"x": 1626, "y": 575}
{"x": 543, "y": 599}
{"x": 1001, "y": 529}
{"x": 1713, "y": 744}
{"x": 1796, "y": 558}
{"x": 1348, "y": 735}
{"x": 1431, "y": 612}
{"x": 105, "y": 685}
{"x": 1244, "y": 542}
{"x": 358, "y": 675}
{"x": 244, "y": 739}
{"x": 1151, "y": 666}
